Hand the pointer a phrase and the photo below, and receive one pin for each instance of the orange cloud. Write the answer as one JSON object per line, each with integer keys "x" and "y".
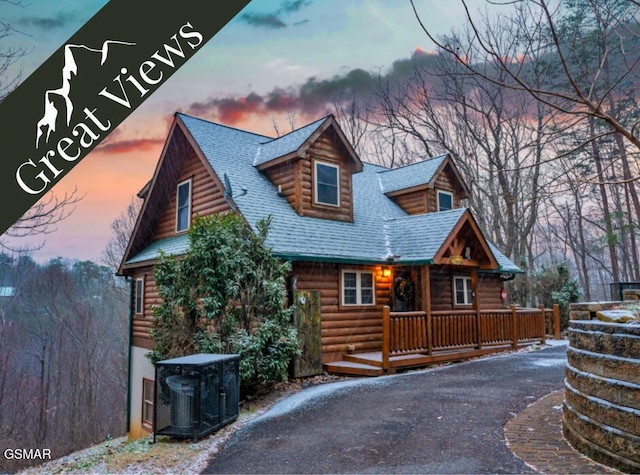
{"x": 126, "y": 146}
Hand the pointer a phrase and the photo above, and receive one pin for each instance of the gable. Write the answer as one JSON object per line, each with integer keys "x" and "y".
{"x": 423, "y": 175}
{"x": 415, "y": 187}
{"x": 294, "y": 175}
{"x": 179, "y": 162}
{"x": 295, "y": 144}
{"x": 466, "y": 246}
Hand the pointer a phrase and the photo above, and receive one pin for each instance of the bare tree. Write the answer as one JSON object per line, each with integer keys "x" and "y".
{"x": 122, "y": 229}
{"x": 578, "y": 80}
{"x": 494, "y": 135}
{"x": 43, "y": 216}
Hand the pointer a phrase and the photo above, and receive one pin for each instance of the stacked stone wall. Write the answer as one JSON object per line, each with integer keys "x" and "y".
{"x": 602, "y": 400}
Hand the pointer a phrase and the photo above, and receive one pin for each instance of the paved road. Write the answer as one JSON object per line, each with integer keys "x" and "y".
{"x": 448, "y": 420}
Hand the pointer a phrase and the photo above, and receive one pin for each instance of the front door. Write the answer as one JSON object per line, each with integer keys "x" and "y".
{"x": 307, "y": 318}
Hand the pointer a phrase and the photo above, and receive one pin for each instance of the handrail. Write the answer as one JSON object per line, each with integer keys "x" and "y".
{"x": 422, "y": 332}
{"x": 418, "y": 313}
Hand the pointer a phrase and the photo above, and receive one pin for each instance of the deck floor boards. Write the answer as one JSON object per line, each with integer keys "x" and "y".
{"x": 370, "y": 363}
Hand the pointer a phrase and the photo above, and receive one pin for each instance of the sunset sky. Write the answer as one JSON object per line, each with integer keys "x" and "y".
{"x": 275, "y": 56}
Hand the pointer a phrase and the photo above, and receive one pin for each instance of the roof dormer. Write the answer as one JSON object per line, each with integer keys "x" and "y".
{"x": 312, "y": 167}
{"x": 428, "y": 186}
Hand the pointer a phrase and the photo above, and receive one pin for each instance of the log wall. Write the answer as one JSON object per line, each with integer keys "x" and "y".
{"x": 326, "y": 149}
{"x": 425, "y": 200}
{"x": 489, "y": 289}
{"x": 284, "y": 174}
{"x": 142, "y": 323}
{"x": 414, "y": 202}
{"x": 206, "y": 196}
{"x": 444, "y": 181}
{"x": 344, "y": 326}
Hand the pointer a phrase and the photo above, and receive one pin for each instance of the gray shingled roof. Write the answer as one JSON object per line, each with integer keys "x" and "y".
{"x": 416, "y": 174}
{"x": 417, "y": 238}
{"x": 174, "y": 245}
{"x": 503, "y": 261}
{"x": 288, "y": 143}
{"x": 380, "y": 228}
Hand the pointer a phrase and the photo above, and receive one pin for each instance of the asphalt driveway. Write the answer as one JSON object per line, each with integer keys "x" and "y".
{"x": 447, "y": 420}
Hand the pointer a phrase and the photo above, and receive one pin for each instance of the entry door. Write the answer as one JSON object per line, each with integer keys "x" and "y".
{"x": 307, "y": 317}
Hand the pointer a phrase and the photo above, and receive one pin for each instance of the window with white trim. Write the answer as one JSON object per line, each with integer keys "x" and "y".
{"x": 139, "y": 296}
{"x": 148, "y": 388}
{"x": 183, "y": 206}
{"x": 327, "y": 183}
{"x": 445, "y": 200}
{"x": 358, "y": 287}
{"x": 462, "y": 290}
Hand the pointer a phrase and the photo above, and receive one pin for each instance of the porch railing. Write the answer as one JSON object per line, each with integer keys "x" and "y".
{"x": 410, "y": 333}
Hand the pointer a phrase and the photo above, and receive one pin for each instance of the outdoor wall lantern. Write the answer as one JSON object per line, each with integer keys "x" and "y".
{"x": 386, "y": 272}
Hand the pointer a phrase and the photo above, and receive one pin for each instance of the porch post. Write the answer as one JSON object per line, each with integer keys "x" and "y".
{"x": 386, "y": 324}
{"x": 476, "y": 305}
{"x": 556, "y": 322}
{"x": 514, "y": 327}
{"x": 426, "y": 303}
{"x": 542, "y": 325}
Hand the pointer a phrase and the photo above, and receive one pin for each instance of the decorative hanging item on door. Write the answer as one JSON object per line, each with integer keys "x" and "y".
{"x": 404, "y": 291}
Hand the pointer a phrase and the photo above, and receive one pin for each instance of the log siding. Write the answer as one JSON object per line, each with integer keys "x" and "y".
{"x": 206, "y": 196}
{"x": 425, "y": 200}
{"x": 442, "y": 296}
{"x": 343, "y": 327}
{"x": 326, "y": 149}
{"x": 142, "y": 322}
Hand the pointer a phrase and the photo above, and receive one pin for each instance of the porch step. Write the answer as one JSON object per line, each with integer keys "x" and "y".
{"x": 349, "y": 367}
{"x": 373, "y": 358}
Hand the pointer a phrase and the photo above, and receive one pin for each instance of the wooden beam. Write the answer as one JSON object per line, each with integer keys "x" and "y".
{"x": 386, "y": 324}
{"x": 542, "y": 326}
{"x": 556, "y": 321}
{"x": 425, "y": 278}
{"x": 476, "y": 305}
{"x": 514, "y": 327}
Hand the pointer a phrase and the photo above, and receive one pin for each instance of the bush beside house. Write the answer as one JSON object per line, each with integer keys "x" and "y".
{"x": 227, "y": 294}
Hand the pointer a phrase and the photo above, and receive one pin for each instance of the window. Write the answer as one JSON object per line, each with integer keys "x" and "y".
{"x": 183, "y": 206}
{"x": 147, "y": 403}
{"x": 357, "y": 288}
{"x": 327, "y": 190}
{"x": 139, "y": 296}
{"x": 463, "y": 292}
{"x": 445, "y": 200}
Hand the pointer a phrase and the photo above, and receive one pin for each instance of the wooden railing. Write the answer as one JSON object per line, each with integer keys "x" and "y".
{"x": 407, "y": 333}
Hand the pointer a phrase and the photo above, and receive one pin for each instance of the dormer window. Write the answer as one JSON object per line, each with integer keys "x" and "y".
{"x": 183, "y": 206}
{"x": 445, "y": 200}
{"x": 326, "y": 186}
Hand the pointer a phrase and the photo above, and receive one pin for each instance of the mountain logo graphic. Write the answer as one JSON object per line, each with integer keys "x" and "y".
{"x": 70, "y": 69}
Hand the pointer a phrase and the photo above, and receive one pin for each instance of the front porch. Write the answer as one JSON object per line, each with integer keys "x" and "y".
{"x": 422, "y": 338}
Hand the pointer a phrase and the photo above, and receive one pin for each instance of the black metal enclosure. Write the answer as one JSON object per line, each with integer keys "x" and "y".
{"x": 195, "y": 395}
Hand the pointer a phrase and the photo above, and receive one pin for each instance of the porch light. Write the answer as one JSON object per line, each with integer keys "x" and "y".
{"x": 386, "y": 272}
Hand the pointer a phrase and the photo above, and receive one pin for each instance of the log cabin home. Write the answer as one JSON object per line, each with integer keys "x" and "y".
{"x": 392, "y": 266}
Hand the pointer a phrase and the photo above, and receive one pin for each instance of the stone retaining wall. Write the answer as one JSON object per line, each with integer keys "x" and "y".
{"x": 631, "y": 294}
{"x": 602, "y": 398}
{"x": 587, "y": 310}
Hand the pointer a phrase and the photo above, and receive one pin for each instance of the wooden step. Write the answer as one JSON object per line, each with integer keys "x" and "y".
{"x": 370, "y": 359}
{"x": 351, "y": 368}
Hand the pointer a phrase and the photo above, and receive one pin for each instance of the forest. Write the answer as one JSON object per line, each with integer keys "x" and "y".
{"x": 63, "y": 356}
{"x": 536, "y": 102}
